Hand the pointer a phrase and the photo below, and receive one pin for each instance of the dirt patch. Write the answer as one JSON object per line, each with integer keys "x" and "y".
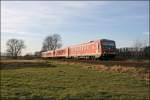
{"x": 19, "y": 61}
{"x": 14, "y": 64}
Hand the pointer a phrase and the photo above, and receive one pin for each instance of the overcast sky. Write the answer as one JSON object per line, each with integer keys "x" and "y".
{"x": 75, "y": 21}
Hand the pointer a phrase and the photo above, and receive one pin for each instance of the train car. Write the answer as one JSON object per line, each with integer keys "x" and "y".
{"x": 89, "y": 49}
{"x": 48, "y": 54}
{"x": 60, "y": 53}
{"x": 93, "y": 49}
{"x": 43, "y": 55}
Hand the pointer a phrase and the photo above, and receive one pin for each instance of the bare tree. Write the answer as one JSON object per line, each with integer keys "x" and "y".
{"x": 138, "y": 44}
{"x": 52, "y": 42}
{"x": 14, "y": 47}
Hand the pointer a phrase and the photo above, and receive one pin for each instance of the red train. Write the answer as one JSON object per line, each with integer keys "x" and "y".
{"x": 103, "y": 48}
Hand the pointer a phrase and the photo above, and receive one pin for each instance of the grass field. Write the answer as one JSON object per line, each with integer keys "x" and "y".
{"x": 65, "y": 81}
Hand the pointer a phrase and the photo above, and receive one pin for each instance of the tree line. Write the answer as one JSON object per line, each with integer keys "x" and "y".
{"x": 15, "y": 46}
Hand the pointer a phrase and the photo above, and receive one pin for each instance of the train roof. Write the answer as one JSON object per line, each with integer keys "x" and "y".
{"x": 91, "y": 42}
{"x": 106, "y": 40}
{"x": 84, "y": 43}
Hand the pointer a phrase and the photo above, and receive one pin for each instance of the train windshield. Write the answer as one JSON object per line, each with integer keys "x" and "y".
{"x": 108, "y": 44}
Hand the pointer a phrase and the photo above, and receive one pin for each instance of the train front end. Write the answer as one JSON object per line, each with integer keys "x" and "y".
{"x": 108, "y": 48}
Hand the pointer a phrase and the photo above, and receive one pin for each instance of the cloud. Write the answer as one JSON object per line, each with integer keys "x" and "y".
{"x": 40, "y": 17}
{"x": 146, "y": 33}
{"x": 18, "y": 17}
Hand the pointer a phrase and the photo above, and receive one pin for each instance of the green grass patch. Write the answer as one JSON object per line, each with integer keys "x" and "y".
{"x": 70, "y": 82}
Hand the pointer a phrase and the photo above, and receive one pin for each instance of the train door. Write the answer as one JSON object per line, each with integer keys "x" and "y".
{"x": 99, "y": 48}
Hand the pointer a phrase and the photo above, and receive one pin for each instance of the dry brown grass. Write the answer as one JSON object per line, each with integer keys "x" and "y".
{"x": 142, "y": 72}
{"x": 139, "y": 72}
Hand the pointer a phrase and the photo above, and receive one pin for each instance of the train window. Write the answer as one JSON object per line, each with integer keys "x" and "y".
{"x": 108, "y": 43}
